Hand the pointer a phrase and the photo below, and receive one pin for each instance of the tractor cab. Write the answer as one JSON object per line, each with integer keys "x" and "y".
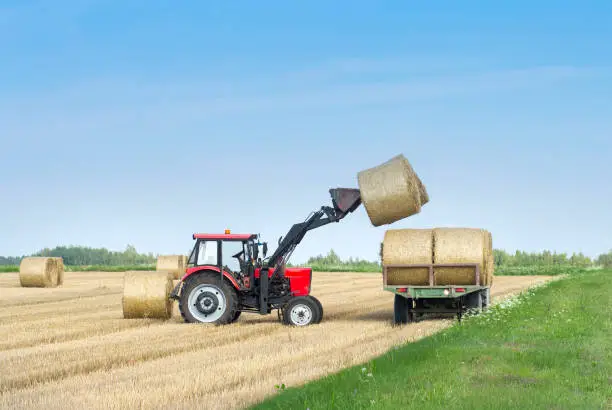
{"x": 235, "y": 254}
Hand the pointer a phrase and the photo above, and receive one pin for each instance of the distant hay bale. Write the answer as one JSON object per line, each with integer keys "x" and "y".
{"x": 145, "y": 294}
{"x": 38, "y": 272}
{"x": 391, "y": 191}
{"x": 185, "y": 261}
{"x": 458, "y": 245}
{"x": 407, "y": 247}
{"x": 172, "y": 263}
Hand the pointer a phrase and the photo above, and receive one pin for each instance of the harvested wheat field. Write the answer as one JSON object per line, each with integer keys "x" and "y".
{"x": 70, "y": 347}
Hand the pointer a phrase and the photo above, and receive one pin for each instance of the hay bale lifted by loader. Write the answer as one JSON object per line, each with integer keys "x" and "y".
{"x": 391, "y": 191}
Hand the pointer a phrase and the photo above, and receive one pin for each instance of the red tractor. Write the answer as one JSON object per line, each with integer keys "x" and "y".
{"x": 225, "y": 275}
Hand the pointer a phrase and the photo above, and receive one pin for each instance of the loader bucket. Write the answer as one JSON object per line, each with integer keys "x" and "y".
{"x": 345, "y": 200}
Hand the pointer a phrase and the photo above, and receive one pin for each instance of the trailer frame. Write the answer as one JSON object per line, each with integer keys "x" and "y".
{"x": 413, "y": 301}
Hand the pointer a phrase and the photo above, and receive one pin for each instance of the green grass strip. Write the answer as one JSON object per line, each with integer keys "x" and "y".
{"x": 549, "y": 348}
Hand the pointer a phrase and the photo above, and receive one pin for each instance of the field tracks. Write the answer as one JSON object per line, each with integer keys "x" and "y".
{"x": 68, "y": 350}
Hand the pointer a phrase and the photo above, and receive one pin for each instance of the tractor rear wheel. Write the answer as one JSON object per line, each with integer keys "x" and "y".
{"x": 206, "y": 298}
{"x": 301, "y": 311}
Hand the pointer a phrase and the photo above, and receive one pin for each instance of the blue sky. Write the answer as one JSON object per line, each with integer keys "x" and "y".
{"x": 142, "y": 123}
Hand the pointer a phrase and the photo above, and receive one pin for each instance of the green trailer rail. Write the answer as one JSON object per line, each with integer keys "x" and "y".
{"x": 412, "y": 302}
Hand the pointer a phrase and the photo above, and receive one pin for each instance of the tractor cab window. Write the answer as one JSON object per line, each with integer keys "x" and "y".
{"x": 207, "y": 253}
{"x": 233, "y": 255}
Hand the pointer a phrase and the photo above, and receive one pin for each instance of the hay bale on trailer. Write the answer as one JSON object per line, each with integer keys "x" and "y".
{"x": 407, "y": 247}
{"x": 174, "y": 264}
{"x": 459, "y": 245}
{"x": 39, "y": 272}
{"x": 391, "y": 191}
{"x": 145, "y": 294}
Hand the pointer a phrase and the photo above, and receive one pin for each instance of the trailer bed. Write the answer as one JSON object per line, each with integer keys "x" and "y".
{"x": 414, "y": 301}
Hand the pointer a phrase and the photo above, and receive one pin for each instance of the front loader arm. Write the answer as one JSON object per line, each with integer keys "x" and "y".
{"x": 344, "y": 200}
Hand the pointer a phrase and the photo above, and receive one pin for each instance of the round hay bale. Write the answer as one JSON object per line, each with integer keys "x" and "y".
{"x": 458, "y": 245}
{"x": 145, "y": 294}
{"x": 38, "y": 272}
{"x": 390, "y": 191}
{"x": 405, "y": 247}
{"x": 174, "y": 264}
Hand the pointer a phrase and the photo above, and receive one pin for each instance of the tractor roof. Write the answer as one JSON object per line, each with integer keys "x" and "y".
{"x": 225, "y": 236}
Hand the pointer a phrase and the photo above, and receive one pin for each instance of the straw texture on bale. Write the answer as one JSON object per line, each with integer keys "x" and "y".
{"x": 145, "y": 294}
{"x": 390, "y": 191}
{"x": 174, "y": 264}
{"x": 423, "y": 195}
{"x": 59, "y": 268}
{"x": 489, "y": 259}
{"x": 39, "y": 272}
{"x": 458, "y": 245}
{"x": 407, "y": 247}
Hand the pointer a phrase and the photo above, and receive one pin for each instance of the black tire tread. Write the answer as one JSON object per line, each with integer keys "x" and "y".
{"x": 320, "y": 312}
{"x": 236, "y": 316}
{"x": 400, "y": 310}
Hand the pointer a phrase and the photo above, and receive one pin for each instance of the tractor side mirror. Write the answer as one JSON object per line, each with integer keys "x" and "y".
{"x": 265, "y": 249}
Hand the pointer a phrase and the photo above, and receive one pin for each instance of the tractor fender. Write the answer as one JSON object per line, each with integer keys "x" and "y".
{"x": 201, "y": 269}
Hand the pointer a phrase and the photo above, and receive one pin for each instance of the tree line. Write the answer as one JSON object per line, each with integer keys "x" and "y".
{"x": 548, "y": 258}
{"x": 84, "y": 256}
{"x": 501, "y": 257}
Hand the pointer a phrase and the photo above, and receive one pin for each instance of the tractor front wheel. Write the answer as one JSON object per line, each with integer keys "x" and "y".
{"x": 206, "y": 298}
{"x": 236, "y": 316}
{"x": 301, "y": 311}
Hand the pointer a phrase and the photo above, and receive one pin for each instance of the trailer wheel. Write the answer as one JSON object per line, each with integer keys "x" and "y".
{"x": 476, "y": 301}
{"x": 206, "y": 298}
{"x": 400, "y": 310}
{"x": 319, "y": 307}
{"x": 301, "y": 311}
{"x": 486, "y": 296}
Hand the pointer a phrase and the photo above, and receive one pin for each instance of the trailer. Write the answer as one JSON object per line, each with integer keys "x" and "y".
{"x": 412, "y": 302}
